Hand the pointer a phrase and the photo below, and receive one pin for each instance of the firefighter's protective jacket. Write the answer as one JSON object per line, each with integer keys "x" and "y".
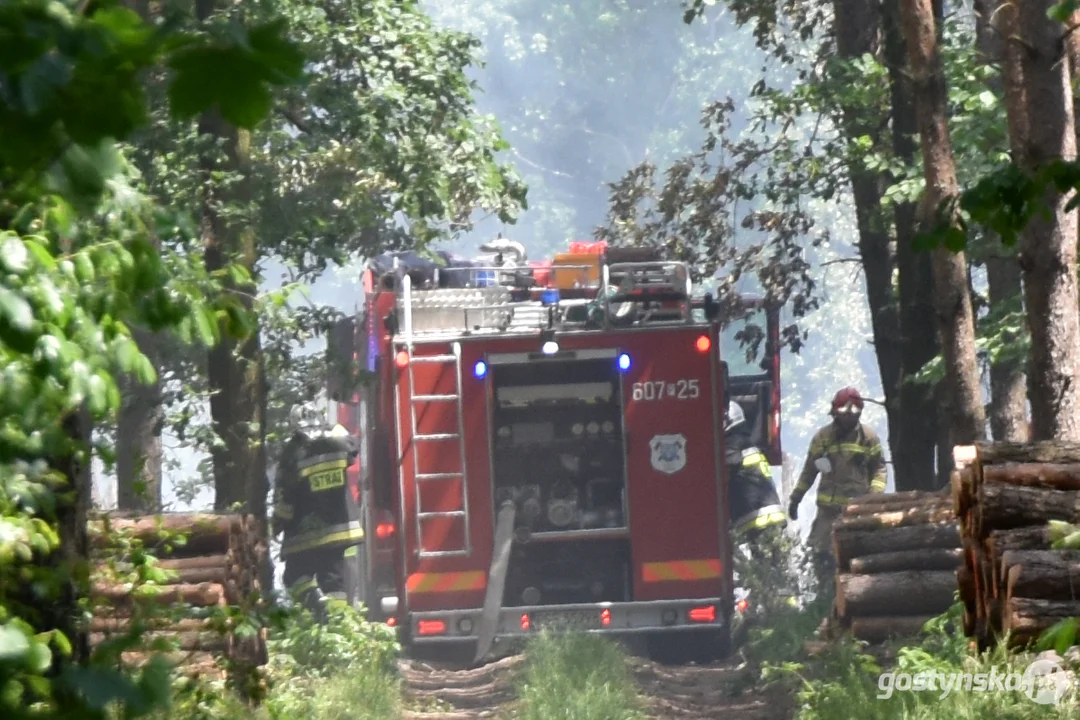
{"x": 856, "y": 465}
{"x": 313, "y": 507}
{"x": 752, "y": 498}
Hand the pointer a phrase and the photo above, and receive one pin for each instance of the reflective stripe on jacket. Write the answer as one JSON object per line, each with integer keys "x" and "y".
{"x": 335, "y": 535}
{"x": 857, "y": 465}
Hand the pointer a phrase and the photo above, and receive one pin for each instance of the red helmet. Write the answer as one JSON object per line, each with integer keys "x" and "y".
{"x": 847, "y": 400}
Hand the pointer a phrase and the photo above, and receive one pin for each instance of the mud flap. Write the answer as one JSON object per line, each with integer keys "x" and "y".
{"x": 500, "y": 560}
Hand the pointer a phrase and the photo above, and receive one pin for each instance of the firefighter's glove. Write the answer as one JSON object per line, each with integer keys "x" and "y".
{"x": 793, "y": 508}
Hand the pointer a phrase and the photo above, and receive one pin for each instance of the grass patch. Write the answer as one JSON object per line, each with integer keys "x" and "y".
{"x": 846, "y": 681}
{"x": 576, "y": 677}
{"x": 345, "y": 669}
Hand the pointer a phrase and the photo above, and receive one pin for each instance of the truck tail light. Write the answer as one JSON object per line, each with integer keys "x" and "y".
{"x": 525, "y": 625}
{"x": 430, "y": 627}
{"x": 401, "y": 359}
{"x": 703, "y": 344}
{"x": 706, "y": 614}
{"x": 384, "y": 525}
{"x": 605, "y": 617}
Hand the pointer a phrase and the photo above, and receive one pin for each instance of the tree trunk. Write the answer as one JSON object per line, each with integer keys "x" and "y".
{"x": 1036, "y": 537}
{"x": 235, "y": 367}
{"x": 1052, "y": 452}
{"x": 1003, "y": 507}
{"x": 943, "y": 416}
{"x": 1027, "y": 618}
{"x": 911, "y": 593}
{"x": 859, "y": 543}
{"x": 896, "y": 518}
{"x": 1048, "y": 244}
{"x": 857, "y": 30}
{"x": 876, "y": 630}
{"x": 1046, "y": 574}
{"x": 913, "y": 449}
{"x": 1045, "y": 475}
{"x": 933, "y": 559}
{"x": 138, "y": 436}
{"x": 956, "y": 325}
{"x": 71, "y": 511}
{"x": 1008, "y": 382}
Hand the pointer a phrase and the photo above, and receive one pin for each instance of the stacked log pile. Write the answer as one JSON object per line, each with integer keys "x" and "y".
{"x": 1013, "y": 501}
{"x": 896, "y": 561}
{"x": 210, "y": 561}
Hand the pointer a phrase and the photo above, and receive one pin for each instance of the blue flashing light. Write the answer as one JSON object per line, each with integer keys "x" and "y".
{"x": 624, "y": 362}
{"x": 550, "y": 296}
{"x": 480, "y": 369}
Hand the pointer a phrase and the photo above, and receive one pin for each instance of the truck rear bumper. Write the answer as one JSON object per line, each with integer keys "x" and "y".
{"x": 613, "y": 618}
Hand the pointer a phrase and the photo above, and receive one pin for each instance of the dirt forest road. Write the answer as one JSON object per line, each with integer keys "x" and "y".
{"x": 435, "y": 692}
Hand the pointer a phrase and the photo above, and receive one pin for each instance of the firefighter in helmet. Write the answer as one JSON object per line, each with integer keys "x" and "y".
{"x": 752, "y": 498}
{"x": 312, "y": 510}
{"x": 850, "y": 459}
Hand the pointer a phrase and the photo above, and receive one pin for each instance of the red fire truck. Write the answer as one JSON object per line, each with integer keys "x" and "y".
{"x": 545, "y": 451}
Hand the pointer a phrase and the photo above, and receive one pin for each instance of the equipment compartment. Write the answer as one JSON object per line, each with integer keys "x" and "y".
{"x": 558, "y": 445}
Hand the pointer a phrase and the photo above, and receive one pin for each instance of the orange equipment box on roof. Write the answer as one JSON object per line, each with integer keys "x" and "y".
{"x": 587, "y": 257}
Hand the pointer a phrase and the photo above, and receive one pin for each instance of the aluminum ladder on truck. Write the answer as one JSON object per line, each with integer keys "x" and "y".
{"x": 452, "y": 360}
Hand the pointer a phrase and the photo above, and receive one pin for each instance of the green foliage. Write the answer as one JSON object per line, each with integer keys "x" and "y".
{"x": 345, "y": 668}
{"x": 342, "y": 670}
{"x": 576, "y": 677}
{"x": 845, "y": 680}
{"x": 78, "y": 249}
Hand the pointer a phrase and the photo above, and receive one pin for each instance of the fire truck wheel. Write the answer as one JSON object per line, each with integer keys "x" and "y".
{"x": 689, "y": 646}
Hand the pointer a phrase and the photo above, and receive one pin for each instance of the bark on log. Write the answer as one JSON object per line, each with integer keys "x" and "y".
{"x": 862, "y": 506}
{"x": 882, "y": 628}
{"x": 896, "y": 518}
{"x": 1027, "y": 618}
{"x": 205, "y": 533}
{"x": 1038, "y": 475}
{"x": 962, "y": 489}
{"x": 186, "y": 641}
{"x": 900, "y": 593}
{"x": 1004, "y": 507}
{"x": 203, "y": 594}
{"x": 965, "y": 584}
{"x": 1043, "y": 574}
{"x": 933, "y": 559}
{"x": 1058, "y": 453}
{"x": 194, "y": 576}
{"x": 1028, "y": 538}
{"x": 201, "y": 561}
{"x": 193, "y": 662}
{"x": 856, "y": 543}
{"x": 116, "y": 625}
{"x": 909, "y": 497}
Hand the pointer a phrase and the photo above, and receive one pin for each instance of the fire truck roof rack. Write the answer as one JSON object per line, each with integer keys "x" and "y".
{"x": 626, "y": 294}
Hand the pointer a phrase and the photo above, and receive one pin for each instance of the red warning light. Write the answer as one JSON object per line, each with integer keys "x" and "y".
{"x": 605, "y": 617}
{"x": 525, "y": 622}
{"x": 431, "y": 627}
{"x": 742, "y": 605}
{"x": 703, "y": 344}
{"x": 401, "y": 359}
{"x": 705, "y": 614}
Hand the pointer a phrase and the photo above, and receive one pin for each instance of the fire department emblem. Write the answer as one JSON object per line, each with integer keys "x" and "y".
{"x": 668, "y": 453}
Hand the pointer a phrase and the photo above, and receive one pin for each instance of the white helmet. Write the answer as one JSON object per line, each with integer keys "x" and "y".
{"x": 735, "y": 416}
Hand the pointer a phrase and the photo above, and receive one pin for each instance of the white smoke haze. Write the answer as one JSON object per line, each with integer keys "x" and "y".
{"x": 631, "y": 91}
